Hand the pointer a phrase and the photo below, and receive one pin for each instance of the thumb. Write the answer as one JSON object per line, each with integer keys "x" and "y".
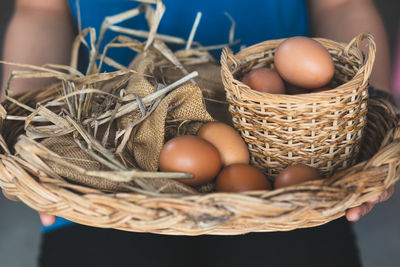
{"x": 10, "y": 197}
{"x": 47, "y": 219}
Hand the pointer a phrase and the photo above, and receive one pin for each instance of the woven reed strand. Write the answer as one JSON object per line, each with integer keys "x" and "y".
{"x": 306, "y": 205}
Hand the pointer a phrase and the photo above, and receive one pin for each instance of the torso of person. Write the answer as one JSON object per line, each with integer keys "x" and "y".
{"x": 256, "y": 21}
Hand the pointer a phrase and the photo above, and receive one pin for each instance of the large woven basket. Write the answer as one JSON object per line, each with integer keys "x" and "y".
{"x": 306, "y": 205}
{"x": 323, "y": 130}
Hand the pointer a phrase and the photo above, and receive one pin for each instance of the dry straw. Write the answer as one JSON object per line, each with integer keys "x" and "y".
{"x": 87, "y": 107}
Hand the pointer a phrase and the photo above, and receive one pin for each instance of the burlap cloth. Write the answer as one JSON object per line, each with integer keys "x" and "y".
{"x": 182, "y": 111}
{"x": 210, "y": 84}
{"x": 65, "y": 147}
{"x": 184, "y": 104}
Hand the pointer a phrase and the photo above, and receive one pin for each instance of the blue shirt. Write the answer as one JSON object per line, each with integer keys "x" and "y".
{"x": 256, "y": 21}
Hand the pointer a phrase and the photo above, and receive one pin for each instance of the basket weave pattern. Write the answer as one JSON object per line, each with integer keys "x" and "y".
{"x": 322, "y": 130}
{"x": 306, "y": 205}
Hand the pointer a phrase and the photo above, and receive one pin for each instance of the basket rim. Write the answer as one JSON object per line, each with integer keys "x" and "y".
{"x": 228, "y": 60}
{"x": 208, "y": 213}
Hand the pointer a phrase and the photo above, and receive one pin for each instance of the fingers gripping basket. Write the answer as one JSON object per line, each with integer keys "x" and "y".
{"x": 322, "y": 130}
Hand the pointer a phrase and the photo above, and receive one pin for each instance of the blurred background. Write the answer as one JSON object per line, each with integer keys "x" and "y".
{"x": 378, "y": 233}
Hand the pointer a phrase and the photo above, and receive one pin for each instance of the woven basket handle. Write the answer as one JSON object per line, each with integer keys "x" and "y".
{"x": 368, "y": 61}
{"x": 228, "y": 63}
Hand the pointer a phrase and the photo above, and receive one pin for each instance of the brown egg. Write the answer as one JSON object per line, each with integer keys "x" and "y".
{"x": 241, "y": 177}
{"x": 191, "y": 154}
{"x": 227, "y": 140}
{"x": 304, "y": 62}
{"x": 295, "y": 174}
{"x": 264, "y": 80}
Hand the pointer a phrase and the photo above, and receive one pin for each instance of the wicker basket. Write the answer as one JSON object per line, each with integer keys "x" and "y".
{"x": 306, "y": 205}
{"x": 322, "y": 130}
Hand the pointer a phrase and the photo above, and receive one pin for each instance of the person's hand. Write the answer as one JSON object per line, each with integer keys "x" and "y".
{"x": 45, "y": 218}
{"x": 12, "y": 198}
{"x": 354, "y": 214}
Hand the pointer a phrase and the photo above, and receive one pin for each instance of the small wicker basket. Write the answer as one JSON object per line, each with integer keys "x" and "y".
{"x": 322, "y": 130}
